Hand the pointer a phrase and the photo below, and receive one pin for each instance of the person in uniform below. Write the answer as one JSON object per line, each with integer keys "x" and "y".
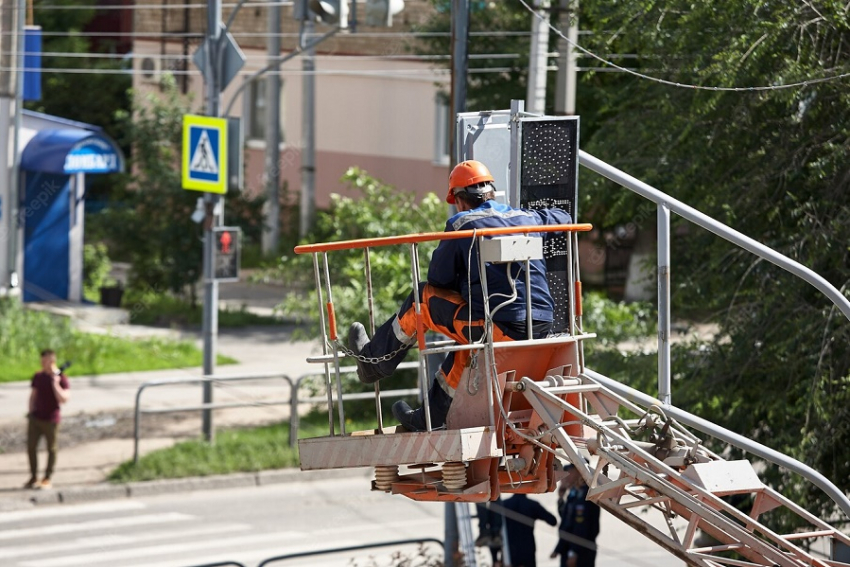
{"x": 579, "y": 522}
{"x": 520, "y": 515}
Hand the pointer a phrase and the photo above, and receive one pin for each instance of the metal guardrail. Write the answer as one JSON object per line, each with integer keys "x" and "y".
{"x": 293, "y": 401}
{"x": 348, "y": 548}
{"x": 327, "y": 551}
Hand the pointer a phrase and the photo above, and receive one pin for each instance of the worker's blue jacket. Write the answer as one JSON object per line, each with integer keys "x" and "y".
{"x": 453, "y": 267}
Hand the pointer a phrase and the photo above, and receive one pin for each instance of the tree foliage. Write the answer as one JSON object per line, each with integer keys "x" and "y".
{"x": 150, "y": 222}
{"x": 772, "y": 163}
{"x": 507, "y": 77}
{"x": 64, "y": 46}
{"x": 152, "y": 226}
{"x": 379, "y": 210}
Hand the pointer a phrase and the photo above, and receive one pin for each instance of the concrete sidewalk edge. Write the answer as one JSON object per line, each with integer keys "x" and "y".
{"x": 107, "y": 491}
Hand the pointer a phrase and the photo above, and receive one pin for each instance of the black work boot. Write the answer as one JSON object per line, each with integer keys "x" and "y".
{"x": 411, "y": 419}
{"x": 357, "y": 339}
{"x": 414, "y": 419}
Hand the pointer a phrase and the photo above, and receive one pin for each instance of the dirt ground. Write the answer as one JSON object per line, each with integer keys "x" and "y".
{"x": 84, "y": 427}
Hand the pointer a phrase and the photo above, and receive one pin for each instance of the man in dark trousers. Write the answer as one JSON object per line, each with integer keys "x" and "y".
{"x": 50, "y": 389}
{"x": 520, "y": 514}
{"x": 579, "y": 522}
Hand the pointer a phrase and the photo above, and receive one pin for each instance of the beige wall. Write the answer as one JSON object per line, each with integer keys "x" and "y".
{"x": 374, "y": 113}
{"x": 418, "y": 176}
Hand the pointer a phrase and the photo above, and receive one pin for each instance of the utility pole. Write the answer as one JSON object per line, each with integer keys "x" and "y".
{"x": 565, "y": 85}
{"x": 308, "y": 127}
{"x": 271, "y": 234}
{"x": 212, "y": 202}
{"x": 535, "y": 99}
{"x": 11, "y": 90}
{"x": 460, "y": 69}
{"x": 457, "y": 104}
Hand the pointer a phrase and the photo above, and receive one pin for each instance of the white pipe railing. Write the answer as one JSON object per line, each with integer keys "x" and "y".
{"x": 668, "y": 203}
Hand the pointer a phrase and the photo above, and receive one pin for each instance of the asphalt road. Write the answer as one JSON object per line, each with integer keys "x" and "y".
{"x": 249, "y": 525}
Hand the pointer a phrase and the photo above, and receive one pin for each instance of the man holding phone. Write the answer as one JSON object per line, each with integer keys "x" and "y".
{"x": 50, "y": 389}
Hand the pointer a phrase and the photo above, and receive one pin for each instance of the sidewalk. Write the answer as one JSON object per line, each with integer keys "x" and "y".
{"x": 100, "y": 401}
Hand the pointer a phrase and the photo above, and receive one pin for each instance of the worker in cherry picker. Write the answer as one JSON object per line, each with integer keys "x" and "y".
{"x": 452, "y": 302}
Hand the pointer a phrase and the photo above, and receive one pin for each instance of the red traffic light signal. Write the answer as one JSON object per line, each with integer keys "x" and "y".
{"x": 227, "y": 248}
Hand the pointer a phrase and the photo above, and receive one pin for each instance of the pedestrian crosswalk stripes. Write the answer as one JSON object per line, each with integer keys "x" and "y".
{"x": 114, "y": 557}
{"x": 150, "y": 539}
{"x": 211, "y": 527}
{"x": 102, "y": 542}
{"x": 105, "y": 524}
{"x": 79, "y": 510}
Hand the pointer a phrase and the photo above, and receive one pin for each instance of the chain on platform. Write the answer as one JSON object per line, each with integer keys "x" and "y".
{"x": 367, "y": 359}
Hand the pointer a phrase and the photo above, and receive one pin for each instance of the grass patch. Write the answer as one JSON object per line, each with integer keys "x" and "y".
{"x": 24, "y": 333}
{"x": 235, "y": 450}
{"x": 168, "y": 311}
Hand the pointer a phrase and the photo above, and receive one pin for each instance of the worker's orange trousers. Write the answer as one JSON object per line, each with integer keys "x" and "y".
{"x": 443, "y": 311}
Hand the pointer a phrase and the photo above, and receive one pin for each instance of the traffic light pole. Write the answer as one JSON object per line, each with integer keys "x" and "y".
{"x": 460, "y": 68}
{"x": 308, "y": 120}
{"x": 210, "y": 316}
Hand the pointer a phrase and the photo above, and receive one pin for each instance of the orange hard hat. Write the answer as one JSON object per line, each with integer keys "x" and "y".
{"x": 465, "y": 174}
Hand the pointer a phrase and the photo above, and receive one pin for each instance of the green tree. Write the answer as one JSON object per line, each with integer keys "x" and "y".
{"x": 495, "y": 28}
{"x": 150, "y": 222}
{"x": 152, "y": 226}
{"x": 379, "y": 210}
{"x": 68, "y": 51}
{"x": 772, "y": 163}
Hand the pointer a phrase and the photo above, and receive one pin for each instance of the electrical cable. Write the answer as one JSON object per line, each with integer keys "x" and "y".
{"x": 264, "y": 35}
{"x": 292, "y": 73}
{"x": 675, "y": 83}
{"x": 263, "y": 57}
{"x": 104, "y": 7}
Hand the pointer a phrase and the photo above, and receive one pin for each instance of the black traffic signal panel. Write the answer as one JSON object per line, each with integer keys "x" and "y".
{"x": 227, "y": 248}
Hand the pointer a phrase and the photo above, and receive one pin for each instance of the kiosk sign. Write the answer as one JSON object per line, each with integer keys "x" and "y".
{"x": 205, "y": 154}
{"x": 92, "y": 155}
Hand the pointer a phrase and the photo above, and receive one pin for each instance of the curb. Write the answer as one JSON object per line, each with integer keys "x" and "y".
{"x": 107, "y": 491}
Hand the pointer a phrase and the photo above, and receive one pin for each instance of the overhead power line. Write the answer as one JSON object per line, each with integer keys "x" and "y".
{"x": 292, "y": 72}
{"x": 675, "y": 83}
{"x": 261, "y": 57}
{"x": 291, "y": 35}
{"x": 50, "y": 7}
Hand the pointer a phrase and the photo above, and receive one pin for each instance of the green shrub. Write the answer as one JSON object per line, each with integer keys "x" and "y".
{"x": 24, "y": 333}
{"x": 149, "y": 307}
{"x": 235, "y": 450}
{"x": 615, "y": 322}
{"x": 381, "y": 210}
{"x": 96, "y": 268}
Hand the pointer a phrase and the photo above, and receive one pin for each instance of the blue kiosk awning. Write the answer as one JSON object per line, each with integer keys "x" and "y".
{"x": 68, "y": 151}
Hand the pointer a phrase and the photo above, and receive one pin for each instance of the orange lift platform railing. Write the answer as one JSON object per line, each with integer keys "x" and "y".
{"x": 493, "y": 441}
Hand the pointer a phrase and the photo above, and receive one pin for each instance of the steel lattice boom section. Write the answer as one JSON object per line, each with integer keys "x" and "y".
{"x": 675, "y": 476}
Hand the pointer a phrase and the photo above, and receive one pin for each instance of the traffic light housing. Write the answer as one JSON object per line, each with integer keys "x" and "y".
{"x": 331, "y": 12}
{"x": 227, "y": 247}
{"x": 381, "y": 12}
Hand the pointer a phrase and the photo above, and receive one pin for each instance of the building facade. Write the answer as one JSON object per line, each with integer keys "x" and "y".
{"x": 376, "y": 106}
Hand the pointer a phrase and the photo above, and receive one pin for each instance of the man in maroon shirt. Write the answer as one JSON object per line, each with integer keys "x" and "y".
{"x": 50, "y": 389}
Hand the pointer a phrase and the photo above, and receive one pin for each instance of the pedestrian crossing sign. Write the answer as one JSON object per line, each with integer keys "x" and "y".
{"x": 205, "y": 153}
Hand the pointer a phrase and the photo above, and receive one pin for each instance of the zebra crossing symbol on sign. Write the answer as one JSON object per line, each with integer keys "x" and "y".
{"x": 203, "y": 159}
{"x": 205, "y": 154}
